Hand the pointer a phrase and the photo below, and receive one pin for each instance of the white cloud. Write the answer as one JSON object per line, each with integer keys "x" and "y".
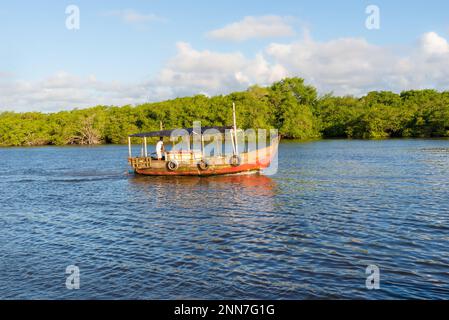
{"x": 132, "y": 16}
{"x": 346, "y": 66}
{"x": 193, "y": 71}
{"x": 354, "y": 66}
{"x": 66, "y": 91}
{"x": 343, "y": 66}
{"x": 432, "y": 44}
{"x": 254, "y": 27}
{"x": 427, "y": 65}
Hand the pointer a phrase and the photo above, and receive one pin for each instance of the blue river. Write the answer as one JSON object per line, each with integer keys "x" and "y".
{"x": 310, "y": 231}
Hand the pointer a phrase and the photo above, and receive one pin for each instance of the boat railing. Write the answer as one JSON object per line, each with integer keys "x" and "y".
{"x": 140, "y": 162}
{"x": 185, "y": 157}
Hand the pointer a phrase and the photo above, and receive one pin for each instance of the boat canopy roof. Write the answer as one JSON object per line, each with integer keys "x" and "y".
{"x": 168, "y": 133}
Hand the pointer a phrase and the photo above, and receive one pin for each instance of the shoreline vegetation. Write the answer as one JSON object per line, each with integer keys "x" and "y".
{"x": 289, "y": 105}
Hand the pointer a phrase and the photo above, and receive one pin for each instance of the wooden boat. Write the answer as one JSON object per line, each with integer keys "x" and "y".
{"x": 195, "y": 162}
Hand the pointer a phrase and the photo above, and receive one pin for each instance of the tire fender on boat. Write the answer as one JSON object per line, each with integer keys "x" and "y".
{"x": 235, "y": 160}
{"x": 172, "y": 165}
{"x": 203, "y": 165}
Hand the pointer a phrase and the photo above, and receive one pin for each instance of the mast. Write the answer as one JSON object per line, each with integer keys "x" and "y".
{"x": 236, "y": 150}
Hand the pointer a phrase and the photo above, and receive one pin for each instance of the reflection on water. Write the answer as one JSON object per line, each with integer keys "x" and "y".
{"x": 245, "y": 191}
{"x": 308, "y": 232}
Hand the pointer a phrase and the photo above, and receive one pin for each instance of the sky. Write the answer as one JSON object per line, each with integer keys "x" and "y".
{"x": 131, "y": 52}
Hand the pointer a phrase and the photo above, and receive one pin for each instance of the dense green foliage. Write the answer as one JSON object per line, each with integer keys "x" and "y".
{"x": 289, "y": 105}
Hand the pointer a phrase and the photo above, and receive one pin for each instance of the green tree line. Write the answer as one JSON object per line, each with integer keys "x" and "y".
{"x": 288, "y": 105}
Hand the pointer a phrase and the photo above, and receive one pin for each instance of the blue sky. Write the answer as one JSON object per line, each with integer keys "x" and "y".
{"x": 134, "y": 51}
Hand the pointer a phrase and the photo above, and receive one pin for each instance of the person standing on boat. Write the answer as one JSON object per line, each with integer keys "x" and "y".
{"x": 160, "y": 149}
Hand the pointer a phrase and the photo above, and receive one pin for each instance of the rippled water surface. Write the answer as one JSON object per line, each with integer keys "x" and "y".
{"x": 310, "y": 231}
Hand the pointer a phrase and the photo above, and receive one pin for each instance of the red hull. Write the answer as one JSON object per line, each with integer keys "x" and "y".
{"x": 196, "y": 172}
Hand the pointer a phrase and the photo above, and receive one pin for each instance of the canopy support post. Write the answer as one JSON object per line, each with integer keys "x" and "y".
{"x": 232, "y": 142}
{"x": 129, "y": 148}
{"x": 145, "y": 147}
{"x": 203, "y": 153}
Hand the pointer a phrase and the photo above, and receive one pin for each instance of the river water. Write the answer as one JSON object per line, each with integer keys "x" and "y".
{"x": 308, "y": 232}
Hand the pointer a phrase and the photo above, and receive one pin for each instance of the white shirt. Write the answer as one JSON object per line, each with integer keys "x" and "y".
{"x": 159, "y": 146}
